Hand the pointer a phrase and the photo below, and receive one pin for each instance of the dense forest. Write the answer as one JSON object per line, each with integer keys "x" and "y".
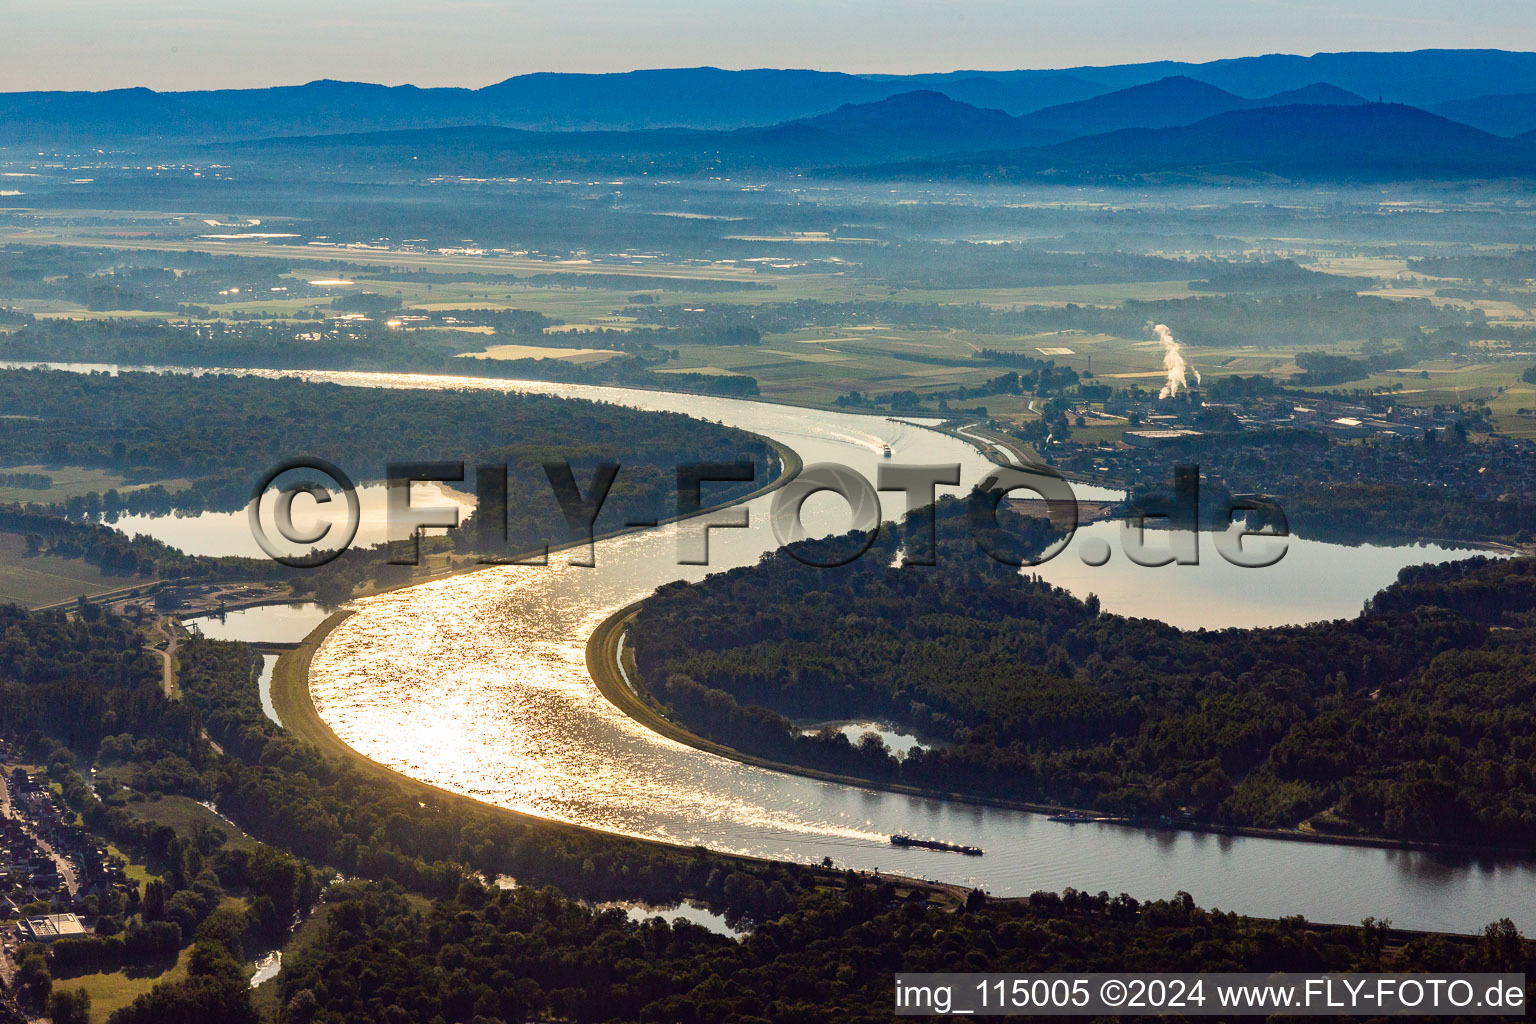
{"x": 222, "y": 432}
{"x": 513, "y": 956}
{"x": 414, "y": 934}
{"x": 1413, "y": 720}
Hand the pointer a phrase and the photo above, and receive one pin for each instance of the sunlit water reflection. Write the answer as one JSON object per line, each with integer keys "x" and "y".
{"x": 477, "y": 683}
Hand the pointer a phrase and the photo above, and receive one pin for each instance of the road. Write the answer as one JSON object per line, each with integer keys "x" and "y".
{"x": 66, "y": 870}
{"x": 166, "y": 627}
{"x": 1016, "y": 453}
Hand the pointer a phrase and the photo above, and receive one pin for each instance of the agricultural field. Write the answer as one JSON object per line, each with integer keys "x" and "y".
{"x": 70, "y": 482}
{"x": 36, "y": 580}
{"x": 730, "y": 253}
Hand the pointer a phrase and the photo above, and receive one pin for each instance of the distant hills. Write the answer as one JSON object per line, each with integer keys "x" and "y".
{"x": 711, "y": 98}
{"x": 922, "y": 121}
{"x": 1166, "y": 102}
{"x": 926, "y": 135}
{"x": 1275, "y": 116}
{"x": 1369, "y": 142}
{"x": 915, "y": 124}
{"x": 1501, "y": 115}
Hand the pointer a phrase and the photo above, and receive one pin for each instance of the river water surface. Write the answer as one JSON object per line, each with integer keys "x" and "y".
{"x": 477, "y": 683}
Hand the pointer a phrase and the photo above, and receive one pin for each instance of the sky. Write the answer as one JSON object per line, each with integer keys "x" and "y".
{"x": 175, "y": 44}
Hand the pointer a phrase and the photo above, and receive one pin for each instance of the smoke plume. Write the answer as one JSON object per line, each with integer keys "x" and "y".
{"x": 1173, "y": 362}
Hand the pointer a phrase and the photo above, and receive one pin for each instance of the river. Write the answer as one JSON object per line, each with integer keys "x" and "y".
{"x": 477, "y": 684}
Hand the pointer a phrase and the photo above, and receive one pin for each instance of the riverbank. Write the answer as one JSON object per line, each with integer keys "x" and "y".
{"x": 717, "y": 804}
{"x": 290, "y": 676}
{"x": 630, "y": 697}
{"x": 295, "y": 707}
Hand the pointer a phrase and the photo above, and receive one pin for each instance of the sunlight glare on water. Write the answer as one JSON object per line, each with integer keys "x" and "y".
{"x": 477, "y": 683}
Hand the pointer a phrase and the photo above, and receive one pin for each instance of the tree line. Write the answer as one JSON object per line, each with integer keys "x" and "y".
{"x": 1412, "y": 720}
{"x": 417, "y": 934}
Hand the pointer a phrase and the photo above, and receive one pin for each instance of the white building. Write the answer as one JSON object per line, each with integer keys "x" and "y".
{"x": 50, "y": 927}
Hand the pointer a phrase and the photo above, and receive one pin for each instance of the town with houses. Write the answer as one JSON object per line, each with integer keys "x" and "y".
{"x": 53, "y": 871}
{"x": 1266, "y": 442}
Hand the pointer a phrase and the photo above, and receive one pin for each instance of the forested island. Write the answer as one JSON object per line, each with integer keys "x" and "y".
{"x": 1412, "y": 720}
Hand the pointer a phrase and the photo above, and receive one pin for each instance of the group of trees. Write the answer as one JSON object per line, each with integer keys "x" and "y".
{"x": 114, "y": 552}
{"x": 78, "y": 682}
{"x": 223, "y": 432}
{"x": 366, "y": 344}
{"x": 1413, "y": 720}
{"x": 488, "y": 956}
{"x": 125, "y": 279}
{"x": 1323, "y": 369}
{"x": 418, "y": 936}
{"x": 1509, "y": 267}
{"x": 1268, "y": 319}
{"x": 1443, "y": 485}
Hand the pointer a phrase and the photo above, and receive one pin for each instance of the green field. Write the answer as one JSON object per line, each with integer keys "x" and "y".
{"x": 74, "y": 482}
{"x": 68, "y": 482}
{"x": 113, "y": 991}
{"x": 34, "y": 580}
{"x": 187, "y": 817}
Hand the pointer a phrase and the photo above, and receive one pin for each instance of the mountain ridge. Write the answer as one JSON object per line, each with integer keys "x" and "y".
{"x": 926, "y": 134}
{"x": 1369, "y": 142}
{"x": 713, "y": 98}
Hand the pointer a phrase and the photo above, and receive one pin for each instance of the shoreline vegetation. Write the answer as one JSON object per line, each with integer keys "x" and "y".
{"x": 635, "y": 701}
{"x": 291, "y": 698}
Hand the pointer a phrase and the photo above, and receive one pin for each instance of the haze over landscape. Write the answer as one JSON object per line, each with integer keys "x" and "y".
{"x": 646, "y": 705}
{"x": 170, "y": 44}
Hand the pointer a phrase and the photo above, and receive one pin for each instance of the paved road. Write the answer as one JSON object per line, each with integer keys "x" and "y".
{"x": 167, "y": 629}
{"x": 66, "y": 870}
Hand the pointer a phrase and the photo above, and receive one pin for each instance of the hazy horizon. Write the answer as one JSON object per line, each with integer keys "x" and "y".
{"x": 174, "y": 45}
